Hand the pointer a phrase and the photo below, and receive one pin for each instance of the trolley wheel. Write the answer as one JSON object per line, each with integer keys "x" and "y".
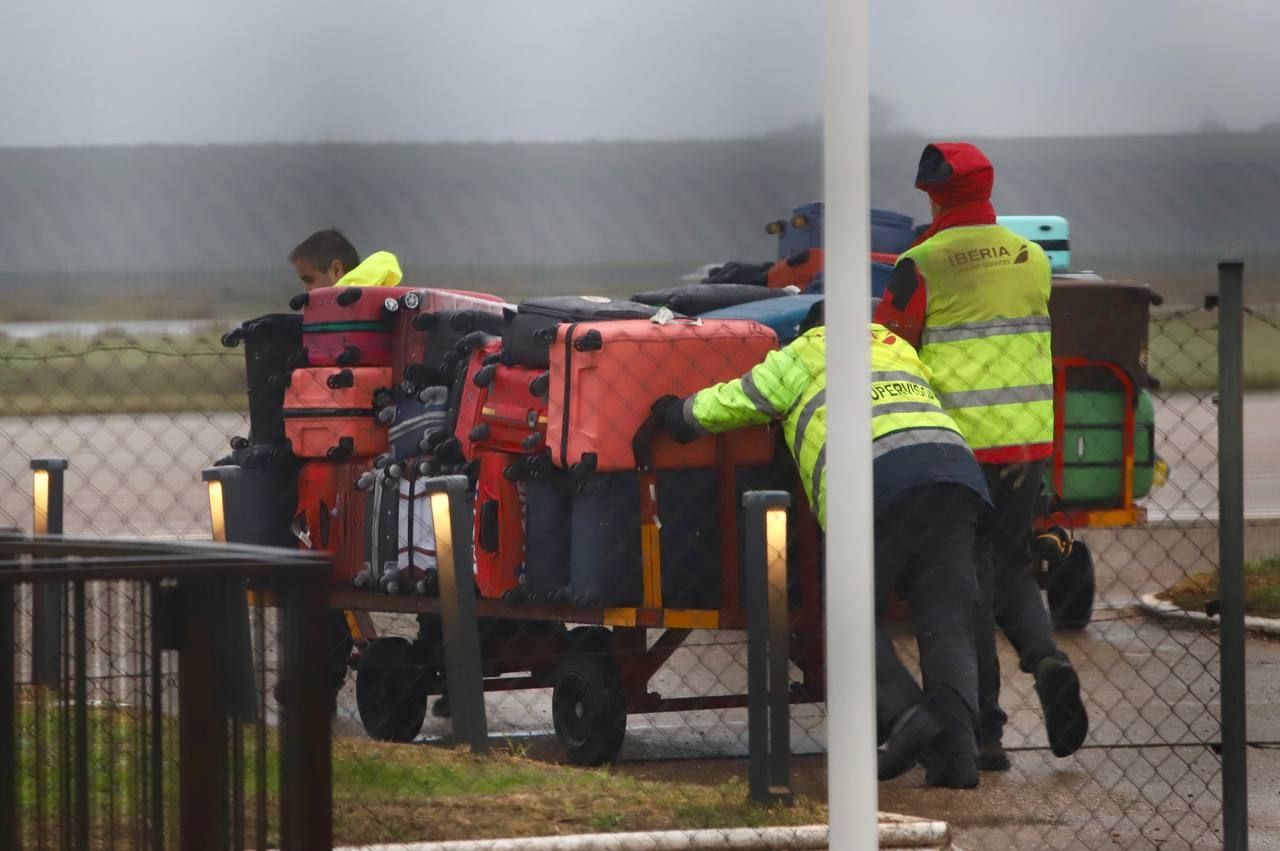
{"x": 588, "y": 704}
{"x": 1071, "y": 587}
{"x": 391, "y": 690}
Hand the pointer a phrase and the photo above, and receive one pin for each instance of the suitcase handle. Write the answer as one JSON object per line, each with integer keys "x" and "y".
{"x": 340, "y": 380}
{"x": 299, "y": 301}
{"x": 349, "y": 296}
{"x": 350, "y": 356}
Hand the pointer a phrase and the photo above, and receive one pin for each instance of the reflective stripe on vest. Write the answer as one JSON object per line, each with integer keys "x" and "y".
{"x": 987, "y": 333}
{"x": 904, "y": 409}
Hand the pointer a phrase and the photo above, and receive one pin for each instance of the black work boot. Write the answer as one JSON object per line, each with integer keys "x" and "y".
{"x": 953, "y": 771}
{"x": 913, "y": 731}
{"x": 992, "y": 756}
{"x": 1065, "y": 718}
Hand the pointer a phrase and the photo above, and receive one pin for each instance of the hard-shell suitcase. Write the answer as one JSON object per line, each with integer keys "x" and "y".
{"x": 445, "y": 331}
{"x": 548, "y": 509}
{"x": 782, "y": 315}
{"x": 413, "y": 332}
{"x": 696, "y": 299}
{"x": 348, "y": 326}
{"x": 605, "y": 560}
{"x": 891, "y": 233}
{"x": 804, "y": 229}
{"x": 400, "y": 556}
{"x": 605, "y": 377}
{"x": 266, "y": 494}
{"x": 502, "y": 408}
{"x": 330, "y": 515}
{"x": 411, "y": 419}
{"x": 272, "y": 345}
{"x": 532, "y": 326}
{"x": 798, "y": 270}
{"x": 499, "y": 528}
{"x": 1049, "y": 232}
{"x": 330, "y": 412}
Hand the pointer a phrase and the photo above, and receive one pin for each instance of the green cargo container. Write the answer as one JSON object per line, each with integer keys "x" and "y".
{"x": 1093, "y": 446}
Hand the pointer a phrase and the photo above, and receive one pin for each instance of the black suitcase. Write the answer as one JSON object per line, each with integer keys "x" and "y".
{"x": 265, "y": 495}
{"x": 531, "y": 329}
{"x": 689, "y": 538}
{"x": 446, "y": 329}
{"x": 410, "y": 420}
{"x": 272, "y": 347}
{"x": 605, "y": 560}
{"x": 548, "y": 508}
{"x": 695, "y": 299}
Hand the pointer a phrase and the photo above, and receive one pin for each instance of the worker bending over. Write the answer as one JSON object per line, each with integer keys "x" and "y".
{"x": 328, "y": 259}
{"x": 928, "y": 492}
{"x": 973, "y": 297}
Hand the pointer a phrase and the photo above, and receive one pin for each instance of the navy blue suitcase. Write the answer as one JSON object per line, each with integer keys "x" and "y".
{"x": 891, "y": 233}
{"x": 783, "y": 315}
{"x": 412, "y": 419}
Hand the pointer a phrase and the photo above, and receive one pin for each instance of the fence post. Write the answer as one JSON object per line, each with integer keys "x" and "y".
{"x": 451, "y": 519}
{"x": 768, "y": 656}
{"x": 1231, "y": 552}
{"x": 306, "y": 761}
{"x": 47, "y": 604}
{"x": 9, "y": 828}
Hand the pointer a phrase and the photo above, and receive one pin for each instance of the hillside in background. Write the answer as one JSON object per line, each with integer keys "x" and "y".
{"x": 177, "y": 218}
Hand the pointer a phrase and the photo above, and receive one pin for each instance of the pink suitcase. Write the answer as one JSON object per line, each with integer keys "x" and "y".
{"x": 605, "y": 376}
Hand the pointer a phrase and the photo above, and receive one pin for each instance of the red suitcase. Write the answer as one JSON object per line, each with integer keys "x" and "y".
{"x": 502, "y": 408}
{"x": 499, "y": 539}
{"x": 798, "y": 270}
{"x": 411, "y": 328}
{"x": 331, "y": 515}
{"x": 329, "y": 412}
{"x": 605, "y": 376}
{"x": 348, "y": 326}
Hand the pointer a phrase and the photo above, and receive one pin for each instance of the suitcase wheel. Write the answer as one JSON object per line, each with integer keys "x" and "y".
{"x": 592, "y": 341}
{"x": 479, "y": 433}
{"x": 515, "y": 472}
{"x": 428, "y": 467}
{"x": 532, "y": 443}
{"x": 383, "y": 398}
{"x": 540, "y": 385}
{"x": 238, "y": 443}
{"x": 411, "y": 300}
{"x": 345, "y": 449}
{"x": 424, "y": 321}
{"x": 386, "y": 415}
{"x": 339, "y": 380}
{"x": 366, "y": 481}
{"x": 415, "y": 375}
{"x": 484, "y": 377}
{"x": 394, "y": 472}
{"x": 349, "y": 296}
{"x": 381, "y": 462}
{"x": 299, "y": 301}
{"x": 350, "y": 356}
{"x": 429, "y": 584}
{"x": 546, "y": 336}
{"x": 231, "y": 339}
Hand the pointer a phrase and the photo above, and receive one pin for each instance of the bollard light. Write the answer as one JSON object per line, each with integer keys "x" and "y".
{"x": 768, "y": 657}
{"x": 453, "y": 528}
{"x": 46, "y": 490}
{"x": 216, "y": 477}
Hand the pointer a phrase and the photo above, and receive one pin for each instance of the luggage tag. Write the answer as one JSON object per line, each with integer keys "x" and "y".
{"x": 665, "y": 316}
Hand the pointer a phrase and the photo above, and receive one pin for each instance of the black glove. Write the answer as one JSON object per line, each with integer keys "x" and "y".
{"x": 666, "y": 414}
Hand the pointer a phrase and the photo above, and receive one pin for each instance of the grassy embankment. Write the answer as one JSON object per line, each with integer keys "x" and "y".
{"x": 385, "y": 793}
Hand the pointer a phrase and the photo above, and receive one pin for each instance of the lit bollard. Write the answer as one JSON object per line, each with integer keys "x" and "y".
{"x": 451, "y": 518}
{"x": 768, "y": 654}
{"x": 48, "y": 605}
{"x": 232, "y": 638}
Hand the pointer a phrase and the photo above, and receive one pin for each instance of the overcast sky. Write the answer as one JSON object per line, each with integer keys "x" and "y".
{"x": 135, "y": 71}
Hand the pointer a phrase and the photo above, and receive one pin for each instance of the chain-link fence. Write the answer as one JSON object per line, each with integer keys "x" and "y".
{"x": 627, "y": 640}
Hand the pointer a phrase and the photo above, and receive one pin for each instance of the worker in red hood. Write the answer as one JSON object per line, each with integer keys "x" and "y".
{"x": 973, "y": 298}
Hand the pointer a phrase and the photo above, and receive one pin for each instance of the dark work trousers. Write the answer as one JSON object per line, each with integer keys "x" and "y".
{"x": 1010, "y": 593}
{"x": 924, "y": 550}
